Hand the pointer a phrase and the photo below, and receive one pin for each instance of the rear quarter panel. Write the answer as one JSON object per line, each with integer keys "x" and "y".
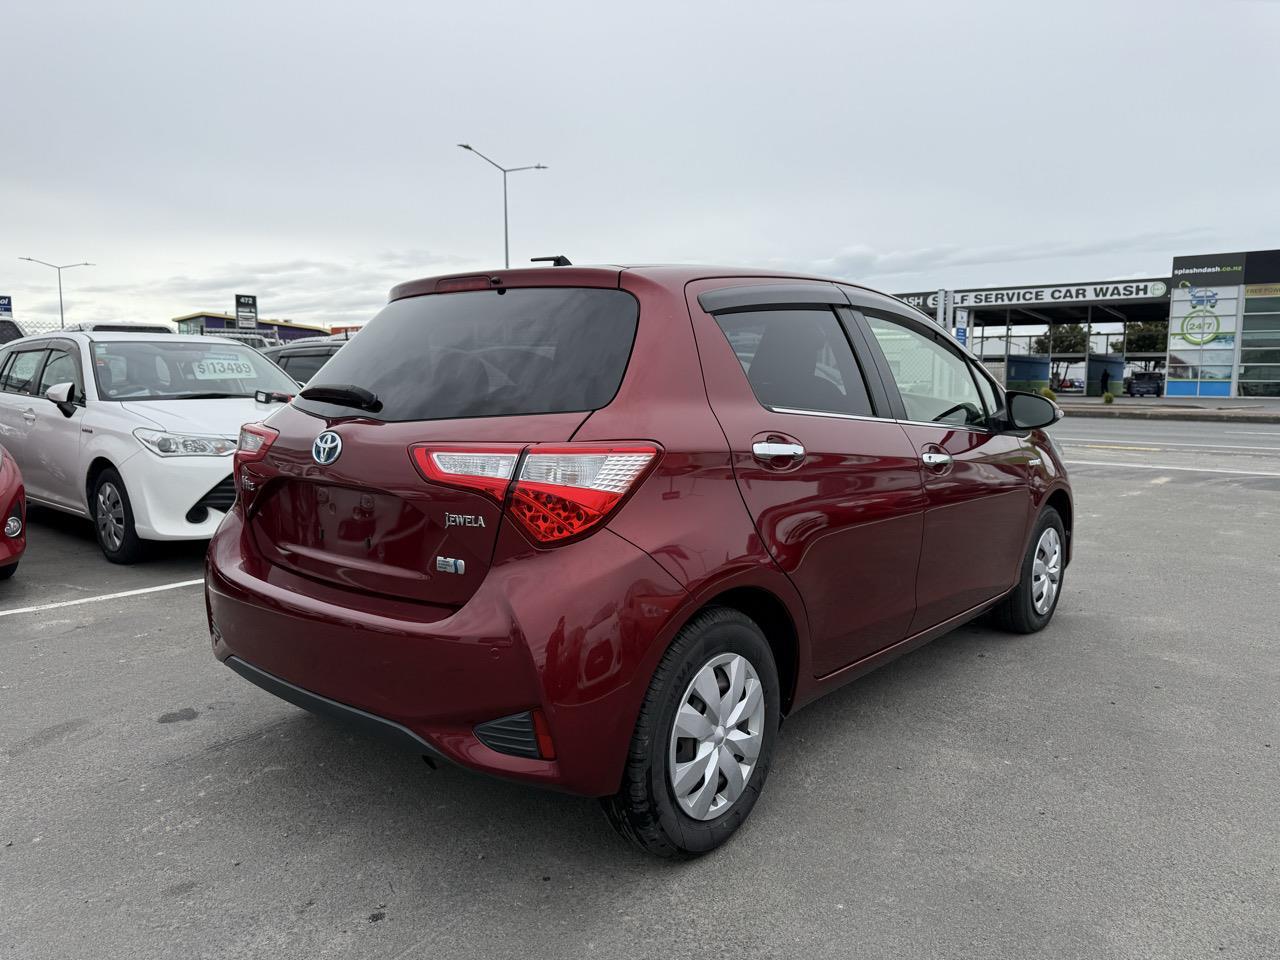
{"x": 688, "y": 515}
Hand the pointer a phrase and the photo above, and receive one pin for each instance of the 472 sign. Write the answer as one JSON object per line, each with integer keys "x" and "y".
{"x": 246, "y": 310}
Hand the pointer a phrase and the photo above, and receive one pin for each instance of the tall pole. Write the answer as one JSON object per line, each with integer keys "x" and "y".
{"x": 62, "y": 317}
{"x": 506, "y": 232}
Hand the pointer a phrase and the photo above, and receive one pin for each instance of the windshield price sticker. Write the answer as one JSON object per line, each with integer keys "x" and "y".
{"x": 223, "y": 369}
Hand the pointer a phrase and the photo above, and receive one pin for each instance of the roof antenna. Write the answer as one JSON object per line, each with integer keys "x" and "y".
{"x": 559, "y": 260}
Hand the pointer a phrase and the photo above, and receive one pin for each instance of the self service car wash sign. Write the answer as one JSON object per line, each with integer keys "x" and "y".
{"x": 246, "y": 311}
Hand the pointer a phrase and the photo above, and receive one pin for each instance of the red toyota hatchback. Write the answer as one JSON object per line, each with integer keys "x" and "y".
{"x": 13, "y": 516}
{"x": 601, "y": 529}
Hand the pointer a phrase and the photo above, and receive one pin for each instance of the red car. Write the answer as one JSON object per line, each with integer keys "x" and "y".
{"x": 13, "y": 516}
{"x": 601, "y": 529}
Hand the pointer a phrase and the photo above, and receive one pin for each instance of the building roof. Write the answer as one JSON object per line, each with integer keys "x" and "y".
{"x": 262, "y": 321}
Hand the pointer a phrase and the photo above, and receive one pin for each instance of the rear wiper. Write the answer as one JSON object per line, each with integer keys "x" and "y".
{"x": 343, "y": 394}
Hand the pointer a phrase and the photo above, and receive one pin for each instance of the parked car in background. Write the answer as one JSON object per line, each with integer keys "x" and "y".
{"x": 601, "y": 528}
{"x": 302, "y": 358}
{"x": 257, "y": 341}
{"x": 9, "y": 330}
{"x": 119, "y": 326}
{"x": 1145, "y": 383}
{"x": 134, "y": 431}
{"x": 13, "y": 516}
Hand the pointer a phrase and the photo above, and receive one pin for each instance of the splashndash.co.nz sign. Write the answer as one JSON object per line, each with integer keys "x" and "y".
{"x": 1030, "y": 296}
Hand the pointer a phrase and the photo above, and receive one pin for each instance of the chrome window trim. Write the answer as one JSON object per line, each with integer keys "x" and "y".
{"x": 947, "y": 426}
{"x": 826, "y": 413}
{"x": 850, "y": 416}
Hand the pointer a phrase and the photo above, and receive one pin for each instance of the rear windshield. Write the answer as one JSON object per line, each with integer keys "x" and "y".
{"x": 487, "y": 353}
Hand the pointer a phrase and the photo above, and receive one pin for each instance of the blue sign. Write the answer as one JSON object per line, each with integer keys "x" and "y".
{"x": 6, "y": 306}
{"x": 1204, "y": 297}
{"x": 962, "y": 334}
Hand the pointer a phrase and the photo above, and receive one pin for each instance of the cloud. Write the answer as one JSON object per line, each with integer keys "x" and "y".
{"x": 322, "y": 292}
{"x": 863, "y": 262}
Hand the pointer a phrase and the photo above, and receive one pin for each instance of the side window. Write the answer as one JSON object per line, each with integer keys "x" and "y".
{"x": 5, "y": 359}
{"x": 936, "y": 384}
{"x": 798, "y": 360}
{"x": 21, "y": 373}
{"x": 61, "y": 367}
{"x": 988, "y": 391}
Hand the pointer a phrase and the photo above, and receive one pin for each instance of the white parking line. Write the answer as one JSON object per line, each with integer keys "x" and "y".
{"x": 1159, "y": 466}
{"x": 1163, "y": 443}
{"x": 105, "y": 596}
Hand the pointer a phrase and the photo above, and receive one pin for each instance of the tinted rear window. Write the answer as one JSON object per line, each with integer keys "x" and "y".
{"x": 488, "y": 354}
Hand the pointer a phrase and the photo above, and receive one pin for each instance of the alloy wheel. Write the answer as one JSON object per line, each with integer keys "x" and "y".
{"x": 716, "y": 736}
{"x": 109, "y": 517}
{"x": 1046, "y": 571}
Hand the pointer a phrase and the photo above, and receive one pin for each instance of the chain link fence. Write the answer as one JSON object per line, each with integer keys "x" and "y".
{"x": 32, "y": 327}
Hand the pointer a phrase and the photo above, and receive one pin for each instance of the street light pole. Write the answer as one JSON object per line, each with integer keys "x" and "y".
{"x": 506, "y": 232}
{"x": 62, "y": 319}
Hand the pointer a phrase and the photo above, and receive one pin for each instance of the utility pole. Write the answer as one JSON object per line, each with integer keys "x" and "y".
{"x": 62, "y": 319}
{"x": 506, "y": 234}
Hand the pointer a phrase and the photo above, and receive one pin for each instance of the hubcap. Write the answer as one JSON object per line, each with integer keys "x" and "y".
{"x": 109, "y": 516}
{"x": 1046, "y": 571}
{"x": 716, "y": 737}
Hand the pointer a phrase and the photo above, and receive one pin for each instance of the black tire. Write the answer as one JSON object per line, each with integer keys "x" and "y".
{"x": 9, "y": 571}
{"x": 129, "y": 548}
{"x": 1017, "y": 612}
{"x": 645, "y": 809}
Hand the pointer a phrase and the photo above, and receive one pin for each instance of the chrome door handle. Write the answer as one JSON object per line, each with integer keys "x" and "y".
{"x": 935, "y": 459}
{"x": 767, "y": 451}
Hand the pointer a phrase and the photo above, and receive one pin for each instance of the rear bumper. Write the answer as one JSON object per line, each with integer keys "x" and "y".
{"x": 368, "y": 724}
{"x": 571, "y": 631}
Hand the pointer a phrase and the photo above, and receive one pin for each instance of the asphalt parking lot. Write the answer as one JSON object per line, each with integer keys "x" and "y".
{"x": 1106, "y": 788}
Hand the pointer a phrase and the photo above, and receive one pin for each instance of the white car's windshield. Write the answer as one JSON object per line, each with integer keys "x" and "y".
{"x": 175, "y": 370}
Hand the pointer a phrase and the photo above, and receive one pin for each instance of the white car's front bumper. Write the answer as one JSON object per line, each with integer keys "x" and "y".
{"x": 163, "y": 490}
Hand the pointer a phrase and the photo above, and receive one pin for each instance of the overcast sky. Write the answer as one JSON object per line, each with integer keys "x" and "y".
{"x": 306, "y": 152}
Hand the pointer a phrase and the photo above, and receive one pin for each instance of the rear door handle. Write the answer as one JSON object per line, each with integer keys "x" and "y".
{"x": 29, "y": 415}
{"x": 767, "y": 450}
{"x": 935, "y": 459}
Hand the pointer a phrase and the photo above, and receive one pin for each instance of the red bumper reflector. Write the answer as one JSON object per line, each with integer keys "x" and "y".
{"x": 542, "y": 731}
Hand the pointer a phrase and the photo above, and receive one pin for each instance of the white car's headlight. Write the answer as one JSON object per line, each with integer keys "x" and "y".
{"x": 184, "y": 445}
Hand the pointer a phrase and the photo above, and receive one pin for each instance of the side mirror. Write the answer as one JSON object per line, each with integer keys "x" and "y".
{"x": 63, "y": 395}
{"x": 1030, "y": 411}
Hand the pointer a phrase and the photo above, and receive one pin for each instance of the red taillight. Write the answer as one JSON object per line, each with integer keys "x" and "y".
{"x": 563, "y": 491}
{"x": 486, "y": 467}
{"x": 255, "y": 440}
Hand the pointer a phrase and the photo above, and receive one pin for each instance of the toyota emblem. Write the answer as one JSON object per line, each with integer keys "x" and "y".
{"x": 326, "y": 448}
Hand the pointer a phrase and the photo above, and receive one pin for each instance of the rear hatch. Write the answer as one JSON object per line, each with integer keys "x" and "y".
{"x": 483, "y": 373}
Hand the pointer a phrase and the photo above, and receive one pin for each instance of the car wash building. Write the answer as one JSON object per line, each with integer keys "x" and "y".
{"x": 1212, "y": 326}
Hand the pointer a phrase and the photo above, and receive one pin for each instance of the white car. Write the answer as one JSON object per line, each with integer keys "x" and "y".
{"x": 134, "y": 431}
